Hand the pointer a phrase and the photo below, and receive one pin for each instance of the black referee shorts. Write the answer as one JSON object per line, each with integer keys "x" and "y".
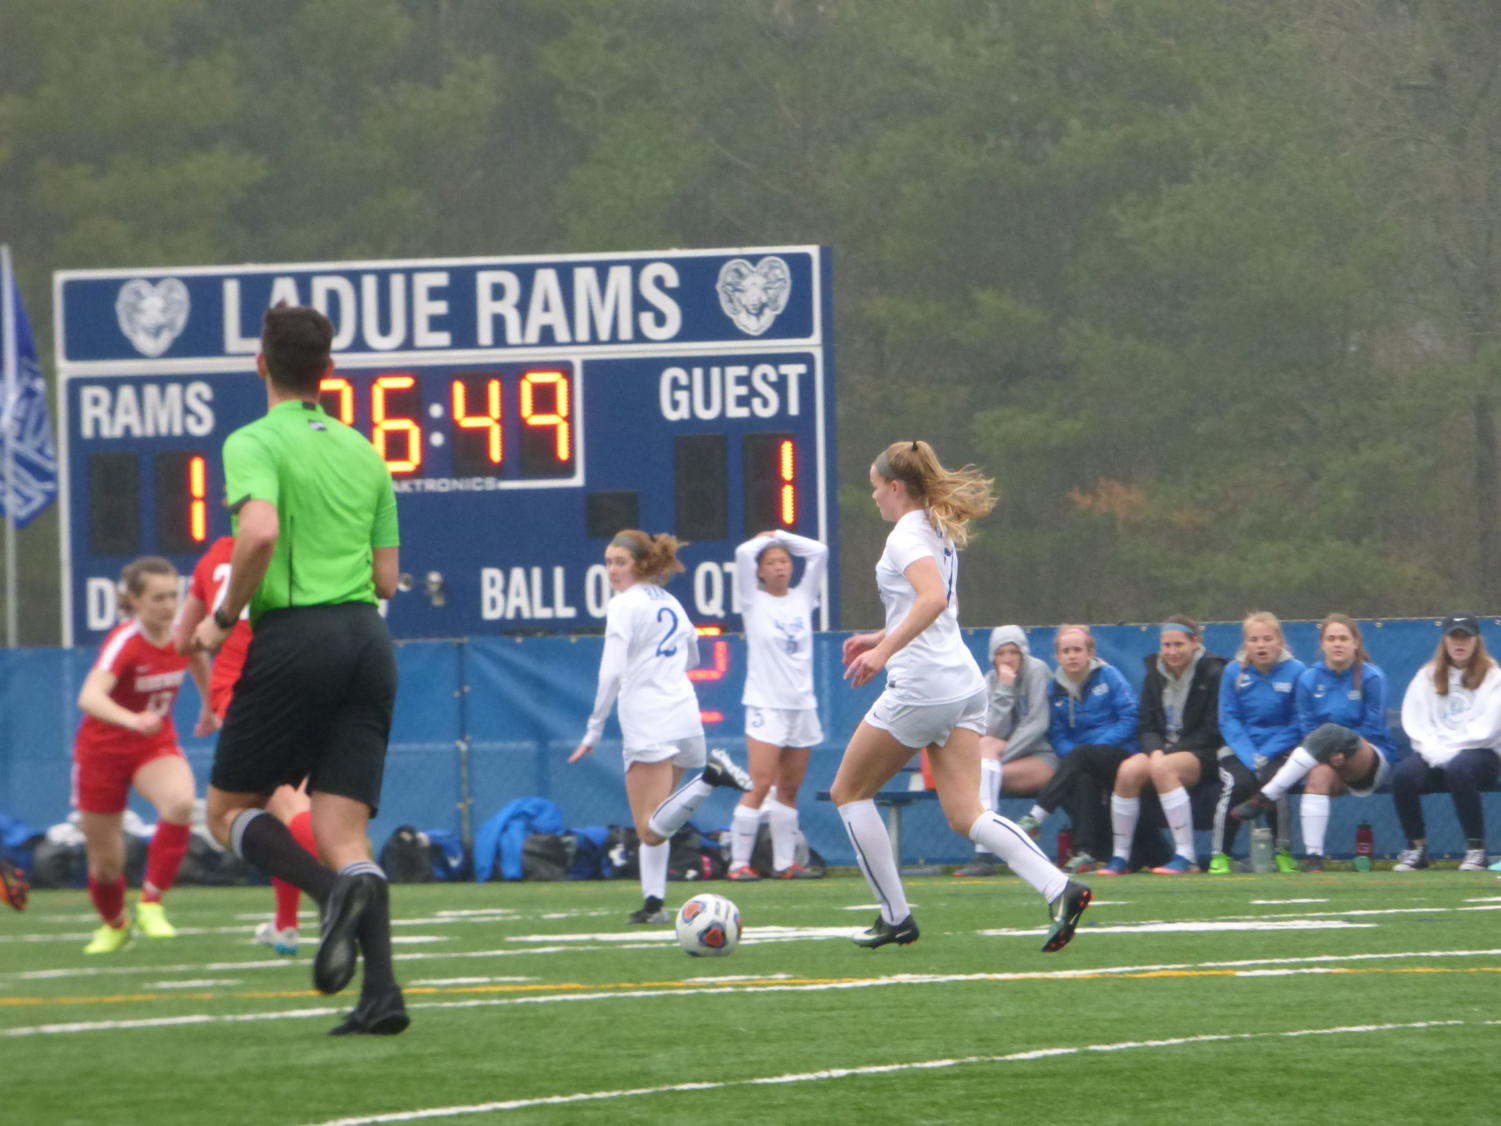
{"x": 314, "y": 701}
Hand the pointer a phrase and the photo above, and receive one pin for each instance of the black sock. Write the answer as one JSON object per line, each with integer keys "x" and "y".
{"x": 262, "y": 840}
{"x": 375, "y": 945}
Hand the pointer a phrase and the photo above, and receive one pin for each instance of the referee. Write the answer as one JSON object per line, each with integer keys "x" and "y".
{"x": 315, "y": 545}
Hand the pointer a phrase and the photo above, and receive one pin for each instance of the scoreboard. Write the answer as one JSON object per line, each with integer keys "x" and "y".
{"x": 528, "y": 409}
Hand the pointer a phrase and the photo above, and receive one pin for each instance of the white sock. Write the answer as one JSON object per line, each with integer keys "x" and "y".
{"x": 680, "y": 805}
{"x": 783, "y": 834}
{"x": 653, "y": 862}
{"x": 1038, "y": 814}
{"x": 862, "y": 821}
{"x": 990, "y": 783}
{"x": 1124, "y": 814}
{"x": 1293, "y": 771}
{"x": 1315, "y": 823}
{"x": 1180, "y": 819}
{"x": 743, "y": 829}
{"x": 1002, "y": 837}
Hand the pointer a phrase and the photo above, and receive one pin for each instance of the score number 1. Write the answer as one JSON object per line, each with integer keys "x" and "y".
{"x": 474, "y": 404}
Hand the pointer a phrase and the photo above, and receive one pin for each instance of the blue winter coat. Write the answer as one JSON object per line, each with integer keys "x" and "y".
{"x": 1259, "y": 711}
{"x": 1105, "y": 712}
{"x": 500, "y": 839}
{"x": 1325, "y": 696}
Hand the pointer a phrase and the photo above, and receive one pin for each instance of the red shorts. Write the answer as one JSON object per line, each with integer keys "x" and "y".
{"x": 101, "y": 782}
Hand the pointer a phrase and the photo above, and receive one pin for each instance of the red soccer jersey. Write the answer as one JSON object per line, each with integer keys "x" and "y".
{"x": 210, "y": 584}
{"x": 147, "y": 678}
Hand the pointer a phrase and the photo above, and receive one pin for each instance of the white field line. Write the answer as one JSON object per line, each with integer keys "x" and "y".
{"x": 752, "y": 987}
{"x": 880, "y": 1069}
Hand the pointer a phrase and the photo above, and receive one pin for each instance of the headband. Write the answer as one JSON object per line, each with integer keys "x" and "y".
{"x": 629, "y": 544}
{"x": 883, "y": 464}
{"x": 1180, "y": 626}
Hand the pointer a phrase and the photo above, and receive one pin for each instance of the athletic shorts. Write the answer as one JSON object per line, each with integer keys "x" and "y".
{"x": 921, "y": 725}
{"x": 1050, "y": 758}
{"x": 688, "y": 752}
{"x": 101, "y": 782}
{"x": 314, "y": 701}
{"x": 784, "y": 727}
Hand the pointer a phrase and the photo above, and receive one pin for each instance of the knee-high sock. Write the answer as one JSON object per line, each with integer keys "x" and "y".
{"x": 1315, "y": 823}
{"x": 375, "y": 933}
{"x": 862, "y": 821}
{"x": 1124, "y": 814}
{"x": 743, "y": 829}
{"x": 109, "y": 899}
{"x": 783, "y": 833}
{"x": 1180, "y": 819}
{"x": 996, "y": 834}
{"x": 1293, "y": 771}
{"x": 169, "y": 844}
{"x": 260, "y": 839}
{"x": 680, "y": 805}
{"x": 652, "y": 860}
{"x": 289, "y": 896}
{"x": 990, "y": 790}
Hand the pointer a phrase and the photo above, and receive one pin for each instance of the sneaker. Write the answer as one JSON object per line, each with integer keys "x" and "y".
{"x": 1177, "y": 866}
{"x": 338, "y": 948}
{"x": 1253, "y": 807}
{"x": 1284, "y": 861}
{"x": 979, "y": 866}
{"x": 1069, "y": 906}
{"x": 152, "y": 920}
{"x": 1313, "y": 862}
{"x": 796, "y": 871}
{"x": 1117, "y": 867}
{"x": 13, "y": 886}
{"x": 285, "y": 941}
{"x": 650, "y": 913}
{"x": 1079, "y": 863}
{"x": 385, "y": 1015}
{"x": 720, "y": 770}
{"x": 1411, "y": 860}
{"x": 1474, "y": 861}
{"x": 108, "y": 939}
{"x": 1219, "y": 864}
{"x": 881, "y": 932}
{"x": 1029, "y": 825}
{"x": 744, "y": 874}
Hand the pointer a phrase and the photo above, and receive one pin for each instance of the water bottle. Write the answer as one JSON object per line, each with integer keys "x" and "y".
{"x": 1065, "y": 846}
{"x": 1365, "y": 847}
{"x": 1262, "y": 859}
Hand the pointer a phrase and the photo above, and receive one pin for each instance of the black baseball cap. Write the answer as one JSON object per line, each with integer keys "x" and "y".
{"x": 1462, "y": 623}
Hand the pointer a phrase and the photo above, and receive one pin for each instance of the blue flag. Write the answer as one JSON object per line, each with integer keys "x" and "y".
{"x": 25, "y": 429}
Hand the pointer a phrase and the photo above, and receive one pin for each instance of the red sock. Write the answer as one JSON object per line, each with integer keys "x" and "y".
{"x": 109, "y": 899}
{"x": 289, "y": 896}
{"x": 168, "y": 846}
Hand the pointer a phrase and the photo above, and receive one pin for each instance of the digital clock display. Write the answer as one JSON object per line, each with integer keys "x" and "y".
{"x": 528, "y": 409}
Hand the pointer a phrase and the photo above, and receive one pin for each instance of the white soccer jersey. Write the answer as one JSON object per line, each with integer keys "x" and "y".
{"x": 649, "y": 647}
{"x": 935, "y": 667}
{"x": 779, "y": 631}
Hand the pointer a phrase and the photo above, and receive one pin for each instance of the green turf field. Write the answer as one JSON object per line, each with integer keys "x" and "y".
{"x": 1367, "y": 998}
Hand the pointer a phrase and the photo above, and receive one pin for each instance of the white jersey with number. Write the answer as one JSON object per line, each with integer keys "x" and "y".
{"x": 779, "y": 630}
{"x": 649, "y": 647}
{"x": 935, "y": 667}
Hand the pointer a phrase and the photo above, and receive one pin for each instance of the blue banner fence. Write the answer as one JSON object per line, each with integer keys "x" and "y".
{"x": 483, "y": 720}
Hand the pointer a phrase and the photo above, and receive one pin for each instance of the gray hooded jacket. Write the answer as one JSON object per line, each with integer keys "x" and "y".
{"x": 1018, "y": 712}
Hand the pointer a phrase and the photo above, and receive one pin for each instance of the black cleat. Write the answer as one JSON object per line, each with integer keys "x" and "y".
{"x": 650, "y": 912}
{"x": 720, "y": 770}
{"x": 385, "y": 1015}
{"x": 338, "y": 952}
{"x": 1069, "y": 906}
{"x": 1253, "y": 807}
{"x": 903, "y": 933}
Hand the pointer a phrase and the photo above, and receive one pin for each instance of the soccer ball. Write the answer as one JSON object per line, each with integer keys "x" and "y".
{"x": 708, "y": 926}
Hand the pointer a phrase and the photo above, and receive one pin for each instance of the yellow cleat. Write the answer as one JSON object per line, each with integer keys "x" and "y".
{"x": 153, "y": 921}
{"x": 108, "y": 939}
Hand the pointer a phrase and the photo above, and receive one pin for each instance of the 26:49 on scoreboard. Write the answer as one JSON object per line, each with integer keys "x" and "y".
{"x": 528, "y": 409}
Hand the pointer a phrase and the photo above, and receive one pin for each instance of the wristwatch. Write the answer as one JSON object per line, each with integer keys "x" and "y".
{"x": 223, "y": 621}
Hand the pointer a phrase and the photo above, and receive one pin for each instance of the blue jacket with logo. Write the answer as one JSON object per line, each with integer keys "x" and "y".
{"x": 1258, "y": 710}
{"x": 1102, "y": 710}
{"x": 1326, "y": 696}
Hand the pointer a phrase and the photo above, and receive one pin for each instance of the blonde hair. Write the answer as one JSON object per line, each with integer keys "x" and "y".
{"x": 656, "y": 556}
{"x": 1085, "y": 630}
{"x": 133, "y": 579}
{"x": 952, "y": 497}
{"x": 1267, "y": 618}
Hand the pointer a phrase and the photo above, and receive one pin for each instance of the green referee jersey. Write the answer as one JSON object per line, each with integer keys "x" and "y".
{"x": 333, "y": 498}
